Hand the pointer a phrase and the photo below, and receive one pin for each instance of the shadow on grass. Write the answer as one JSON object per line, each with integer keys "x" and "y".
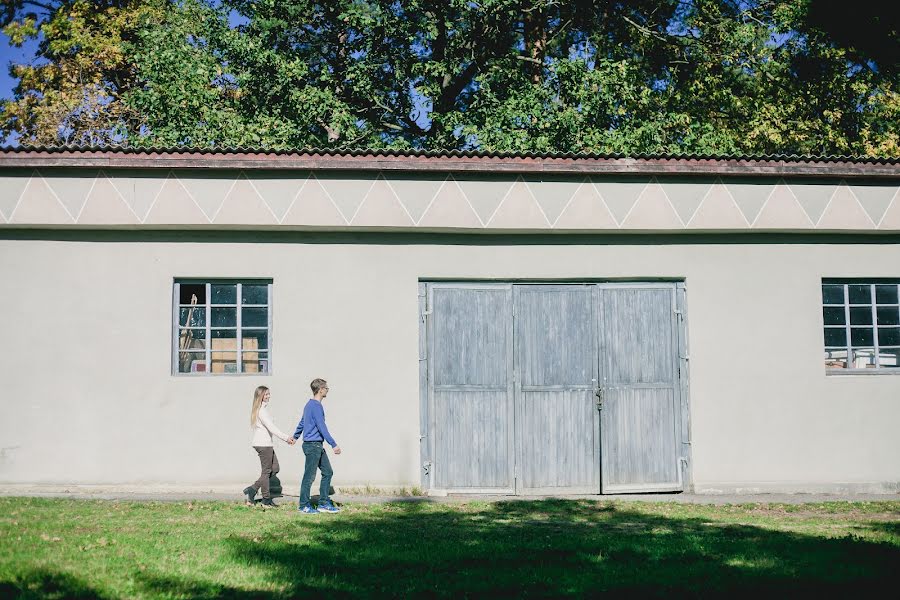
{"x": 46, "y": 584}
{"x": 541, "y": 548}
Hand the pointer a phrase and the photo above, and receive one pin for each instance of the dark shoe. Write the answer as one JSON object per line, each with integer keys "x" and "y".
{"x": 250, "y": 495}
{"x": 267, "y": 503}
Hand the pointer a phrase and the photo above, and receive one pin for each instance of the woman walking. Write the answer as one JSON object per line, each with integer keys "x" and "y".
{"x": 264, "y": 428}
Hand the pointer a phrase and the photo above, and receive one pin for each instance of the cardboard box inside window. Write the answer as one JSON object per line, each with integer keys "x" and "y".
{"x": 223, "y": 355}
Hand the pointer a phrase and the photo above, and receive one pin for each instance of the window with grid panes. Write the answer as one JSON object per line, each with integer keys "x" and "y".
{"x": 862, "y": 324}
{"x": 222, "y": 327}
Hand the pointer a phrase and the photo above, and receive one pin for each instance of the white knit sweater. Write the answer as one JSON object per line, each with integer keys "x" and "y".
{"x": 265, "y": 428}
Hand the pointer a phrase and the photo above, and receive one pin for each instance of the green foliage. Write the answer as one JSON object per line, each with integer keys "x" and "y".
{"x": 606, "y": 76}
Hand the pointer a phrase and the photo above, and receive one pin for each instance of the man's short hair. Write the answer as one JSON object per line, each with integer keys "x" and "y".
{"x": 316, "y": 385}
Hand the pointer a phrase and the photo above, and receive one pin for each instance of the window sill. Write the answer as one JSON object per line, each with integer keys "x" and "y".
{"x": 863, "y": 372}
{"x": 215, "y": 375}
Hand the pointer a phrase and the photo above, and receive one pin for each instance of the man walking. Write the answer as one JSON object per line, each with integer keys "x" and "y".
{"x": 314, "y": 431}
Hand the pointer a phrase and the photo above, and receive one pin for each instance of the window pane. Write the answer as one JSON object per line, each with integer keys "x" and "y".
{"x": 192, "y": 317}
{"x": 889, "y": 358}
{"x": 192, "y": 362}
{"x": 224, "y": 362}
{"x": 836, "y": 358}
{"x": 187, "y": 291}
{"x": 861, "y": 336}
{"x": 255, "y": 317}
{"x": 889, "y": 336}
{"x": 886, "y": 294}
{"x": 251, "y": 362}
{"x": 832, "y": 294}
{"x": 254, "y": 339}
{"x": 888, "y": 315}
{"x": 863, "y": 358}
{"x": 224, "y": 317}
{"x": 191, "y": 339}
{"x": 258, "y": 362}
{"x": 860, "y": 294}
{"x": 255, "y": 294}
{"x": 223, "y": 294}
{"x": 835, "y": 336}
{"x": 834, "y": 315}
{"x": 861, "y": 316}
{"x": 219, "y": 335}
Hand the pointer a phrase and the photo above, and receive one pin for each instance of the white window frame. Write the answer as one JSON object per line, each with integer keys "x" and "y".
{"x": 849, "y": 348}
{"x": 208, "y": 306}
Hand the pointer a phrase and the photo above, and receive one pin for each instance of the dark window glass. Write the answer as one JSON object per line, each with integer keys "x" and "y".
{"x": 861, "y": 336}
{"x": 834, "y": 315}
{"x": 889, "y": 336}
{"x": 888, "y": 315}
{"x": 886, "y": 294}
{"x": 832, "y": 294}
{"x": 835, "y": 336}
{"x": 861, "y": 316}
{"x": 860, "y": 294}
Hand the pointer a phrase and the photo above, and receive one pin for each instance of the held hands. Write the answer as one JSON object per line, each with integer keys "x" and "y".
{"x": 291, "y": 441}
{"x": 337, "y": 449}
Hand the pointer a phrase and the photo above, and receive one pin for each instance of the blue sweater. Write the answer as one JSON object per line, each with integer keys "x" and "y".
{"x": 312, "y": 424}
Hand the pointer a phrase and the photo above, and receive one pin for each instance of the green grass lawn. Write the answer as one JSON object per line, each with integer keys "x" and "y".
{"x": 82, "y": 548}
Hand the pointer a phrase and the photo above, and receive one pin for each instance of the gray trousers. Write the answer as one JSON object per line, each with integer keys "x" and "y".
{"x": 268, "y": 466}
{"x": 316, "y": 458}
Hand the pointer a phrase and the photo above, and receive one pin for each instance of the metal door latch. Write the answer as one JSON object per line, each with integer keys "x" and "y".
{"x": 599, "y": 394}
{"x": 427, "y": 468}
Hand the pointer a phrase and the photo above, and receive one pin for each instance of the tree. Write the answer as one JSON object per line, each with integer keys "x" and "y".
{"x": 606, "y": 76}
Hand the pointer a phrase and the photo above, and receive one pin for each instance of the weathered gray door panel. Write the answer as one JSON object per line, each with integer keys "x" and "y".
{"x": 557, "y": 437}
{"x": 640, "y": 419}
{"x": 470, "y": 387}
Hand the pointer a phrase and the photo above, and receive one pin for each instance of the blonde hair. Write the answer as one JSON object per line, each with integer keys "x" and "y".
{"x": 258, "y": 396}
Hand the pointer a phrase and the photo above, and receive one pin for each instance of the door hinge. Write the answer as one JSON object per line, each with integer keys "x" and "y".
{"x": 424, "y": 314}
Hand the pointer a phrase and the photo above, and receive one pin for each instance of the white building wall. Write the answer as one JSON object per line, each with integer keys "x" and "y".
{"x": 87, "y": 394}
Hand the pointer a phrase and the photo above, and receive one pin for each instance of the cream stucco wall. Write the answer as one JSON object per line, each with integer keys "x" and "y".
{"x": 87, "y": 394}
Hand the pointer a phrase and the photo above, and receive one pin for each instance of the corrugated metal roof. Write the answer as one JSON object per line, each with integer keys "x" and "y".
{"x": 447, "y": 160}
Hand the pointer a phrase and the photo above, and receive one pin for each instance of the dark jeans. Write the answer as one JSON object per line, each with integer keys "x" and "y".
{"x": 268, "y": 465}
{"x": 316, "y": 458}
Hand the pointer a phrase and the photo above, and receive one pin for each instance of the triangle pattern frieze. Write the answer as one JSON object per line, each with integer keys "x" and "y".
{"x": 104, "y": 205}
{"x": 174, "y": 205}
{"x": 382, "y": 208}
{"x": 845, "y": 212}
{"x": 39, "y": 205}
{"x": 484, "y": 192}
{"x": 71, "y": 186}
{"x": 450, "y": 209}
{"x": 12, "y": 184}
{"x": 244, "y": 205}
{"x": 782, "y": 211}
{"x": 138, "y": 188}
{"x": 718, "y": 210}
{"x": 347, "y": 190}
{"x": 553, "y": 194}
{"x": 814, "y": 197}
{"x": 586, "y": 211}
{"x": 890, "y": 221}
{"x": 519, "y": 210}
{"x": 750, "y": 195}
{"x": 875, "y": 199}
{"x": 620, "y": 195}
{"x": 278, "y": 190}
{"x": 685, "y": 194}
{"x": 313, "y": 207}
{"x": 207, "y": 189}
{"x": 415, "y": 191}
{"x": 653, "y": 210}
